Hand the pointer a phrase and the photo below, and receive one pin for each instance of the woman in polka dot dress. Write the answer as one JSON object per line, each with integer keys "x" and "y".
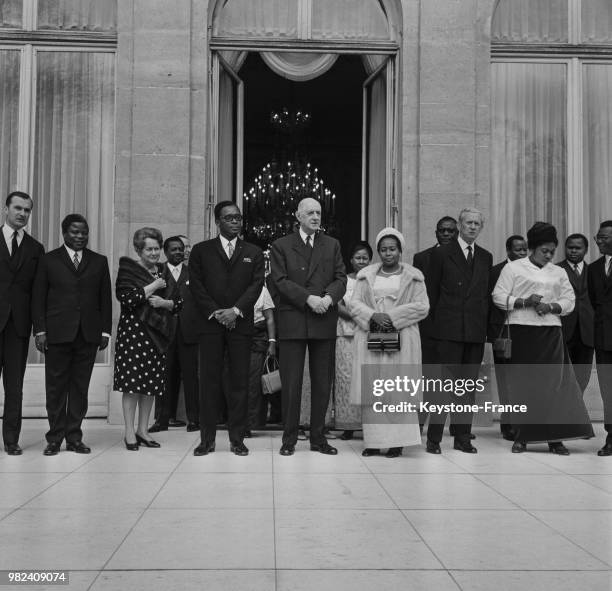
{"x": 146, "y": 326}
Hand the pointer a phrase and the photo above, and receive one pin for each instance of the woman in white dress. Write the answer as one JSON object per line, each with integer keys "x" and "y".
{"x": 390, "y": 295}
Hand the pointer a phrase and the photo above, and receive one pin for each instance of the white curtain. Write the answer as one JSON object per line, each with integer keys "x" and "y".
{"x": 530, "y": 21}
{"x": 596, "y": 21}
{"x": 597, "y": 146}
{"x": 226, "y": 176}
{"x": 257, "y": 18}
{"x": 10, "y": 14}
{"x": 9, "y": 114}
{"x": 528, "y": 177}
{"x": 80, "y": 15}
{"x": 349, "y": 19}
{"x": 299, "y": 67}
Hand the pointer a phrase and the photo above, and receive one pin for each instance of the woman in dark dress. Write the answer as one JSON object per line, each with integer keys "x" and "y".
{"x": 145, "y": 329}
{"x": 540, "y": 376}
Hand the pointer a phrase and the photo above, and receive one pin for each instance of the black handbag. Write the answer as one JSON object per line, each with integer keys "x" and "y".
{"x": 383, "y": 340}
{"x": 502, "y": 346}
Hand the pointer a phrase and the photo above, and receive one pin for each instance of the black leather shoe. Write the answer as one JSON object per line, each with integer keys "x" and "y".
{"x": 156, "y": 428}
{"x": 130, "y": 446}
{"x": 518, "y": 447}
{"x": 558, "y": 448}
{"x": 370, "y": 451}
{"x": 146, "y": 442}
{"x": 324, "y": 448}
{"x": 394, "y": 452}
{"x": 465, "y": 447}
{"x": 239, "y": 449}
{"x": 453, "y": 432}
{"x": 204, "y": 449}
{"x": 432, "y": 447}
{"x": 192, "y": 427}
{"x": 287, "y": 450}
{"x": 347, "y": 435}
{"x": 13, "y": 449}
{"x": 176, "y": 423}
{"x": 52, "y": 448}
{"x": 606, "y": 450}
{"x": 78, "y": 447}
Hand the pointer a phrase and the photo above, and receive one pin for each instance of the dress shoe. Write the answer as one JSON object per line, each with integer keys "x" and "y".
{"x": 452, "y": 431}
{"x": 558, "y": 448}
{"x": 324, "y": 448}
{"x": 370, "y": 451}
{"x": 466, "y": 447}
{"x": 606, "y": 450}
{"x": 239, "y": 449}
{"x": 192, "y": 427}
{"x": 52, "y": 448}
{"x": 13, "y": 449}
{"x": 156, "y": 428}
{"x": 248, "y": 434}
{"x": 146, "y": 442}
{"x": 394, "y": 452}
{"x": 287, "y": 450}
{"x": 176, "y": 423}
{"x": 302, "y": 435}
{"x": 347, "y": 435}
{"x": 518, "y": 447}
{"x": 130, "y": 446}
{"x": 78, "y": 447}
{"x": 432, "y": 447}
{"x": 204, "y": 449}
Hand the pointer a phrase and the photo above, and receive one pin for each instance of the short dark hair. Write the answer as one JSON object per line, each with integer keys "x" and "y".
{"x": 512, "y": 239}
{"x": 219, "y": 207}
{"x": 141, "y": 235}
{"x": 361, "y": 245}
{"x": 605, "y": 224}
{"x": 73, "y": 218}
{"x": 20, "y": 194}
{"x": 397, "y": 240}
{"x": 167, "y": 242}
{"x": 578, "y": 236}
{"x": 541, "y": 233}
{"x": 446, "y": 218}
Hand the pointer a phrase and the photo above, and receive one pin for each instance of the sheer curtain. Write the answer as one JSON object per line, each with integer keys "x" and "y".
{"x": 596, "y": 21}
{"x": 349, "y": 19}
{"x": 299, "y": 67}
{"x": 597, "y": 146}
{"x": 544, "y": 21}
{"x": 9, "y": 114}
{"x": 11, "y": 14}
{"x": 257, "y": 18}
{"x": 78, "y": 15}
{"x": 528, "y": 177}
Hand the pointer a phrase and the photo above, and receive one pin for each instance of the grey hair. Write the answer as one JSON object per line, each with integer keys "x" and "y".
{"x": 467, "y": 210}
{"x": 141, "y": 235}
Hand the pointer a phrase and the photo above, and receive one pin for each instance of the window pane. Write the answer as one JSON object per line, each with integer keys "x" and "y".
{"x": 543, "y": 21}
{"x": 349, "y": 19}
{"x": 257, "y": 18}
{"x": 11, "y": 14}
{"x": 78, "y": 15}
{"x": 596, "y": 21}
{"x": 597, "y": 150}
{"x": 9, "y": 118}
{"x": 528, "y": 178}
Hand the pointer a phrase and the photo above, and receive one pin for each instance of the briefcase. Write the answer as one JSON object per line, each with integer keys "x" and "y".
{"x": 270, "y": 378}
{"x": 384, "y": 341}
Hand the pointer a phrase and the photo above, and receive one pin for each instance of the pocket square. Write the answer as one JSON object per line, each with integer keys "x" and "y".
{"x": 187, "y": 282}
{"x": 246, "y": 260}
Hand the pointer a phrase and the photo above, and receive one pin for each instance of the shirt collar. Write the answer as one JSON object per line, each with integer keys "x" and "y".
{"x": 175, "y": 267}
{"x": 72, "y": 252}
{"x": 8, "y": 232}
{"x": 225, "y": 241}
{"x": 580, "y": 265}
{"x": 303, "y": 236}
{"x": 463, "y": 244}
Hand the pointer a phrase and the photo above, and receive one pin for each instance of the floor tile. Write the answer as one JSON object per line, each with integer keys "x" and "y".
{"x": 532, "y": 580}
{"x": 498, "y": 540}
{"x": 306, "y": 461}
{"x": 225, "y": 461}
{"x": 603, "y": 481}
{"x": 441, "y": 491}
{"x": 348, "y": 539}
{"x": 499, "y": 460}
{"x": 118, "y": 459}
{"x": 23, "y": 486}
{"x": 413, "y": 462}
{"x": 199, "y": 539}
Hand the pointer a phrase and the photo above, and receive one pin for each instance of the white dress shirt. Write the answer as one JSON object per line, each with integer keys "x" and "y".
{"x": 175, "y": 270}
{"x": 71, "y": 254}
{"x": 580, "y": 267}
{"x": 264, "y": 302}
{"x": 8, "y": 236}
{"x": 521, "y": 278}
{"x": 303, "y": 236}
{"x": 225, "y": 244}
{"x": 464, "y": 247}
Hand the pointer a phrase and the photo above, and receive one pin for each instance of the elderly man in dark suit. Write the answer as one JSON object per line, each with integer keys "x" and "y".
{"x": 516, "y": 248}
{"x": 600, "y": 294}
{"x": 458, "y": 288}
{"x": 578, "y": 326}
{"x": 72, "y": 313}
{"x": 308, "y": 280}
{"x": 19, "y": 257}
{"x": 182, "y": 354}
{"x": 226, "y": 275}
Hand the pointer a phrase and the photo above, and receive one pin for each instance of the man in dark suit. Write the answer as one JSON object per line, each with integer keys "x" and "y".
{"x": 458, "y": 289}
{"x": 600, "y": 294}
{"x": 578, "y": 326}
{"x": 182, "y": 354}
{"x": 72, "y": 313}
{"x": 19, "y": 257}
{"x": 516, "y": 248}
{"x": 226, "y": 275}
{"x": 308, "y": 280}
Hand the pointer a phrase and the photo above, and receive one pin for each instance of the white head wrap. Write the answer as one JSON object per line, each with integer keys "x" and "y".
{"x": 391, "y": 232}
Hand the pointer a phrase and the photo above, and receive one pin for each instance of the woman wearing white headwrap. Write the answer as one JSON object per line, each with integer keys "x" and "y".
{"x": 390, "y": 295}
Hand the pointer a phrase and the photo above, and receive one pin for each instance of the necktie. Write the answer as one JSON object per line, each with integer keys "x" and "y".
{"x": 75, "y": 260}
{"x": 14, "y": 245}
{"x": 309, "y": 241}
{"x": 470, "y": 256}
{"x": 230, "y": 250}
{"x": 609, "y": 271}
{"x": 175, "y": 273}
{"x": 576, "y": 270}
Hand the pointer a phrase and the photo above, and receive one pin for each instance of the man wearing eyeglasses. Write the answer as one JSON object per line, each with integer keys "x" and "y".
{"x": 226, "y": 275}
{"x": 600, "y": 294}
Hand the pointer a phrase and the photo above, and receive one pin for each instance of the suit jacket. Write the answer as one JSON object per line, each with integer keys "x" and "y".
{"x": 583, "y": 314}
{"x": 188, "y": 316}
{"x": 459, "y": 298}
{"x": 217, "y": 282}
{"x": 296, "y": 274}
{"x": 600, "y": 294}
{"x": 496, "y": 317}
{"x": 65, "y": 299}
{"x": 421, "y": 262}
{"x": 16, "y": 280}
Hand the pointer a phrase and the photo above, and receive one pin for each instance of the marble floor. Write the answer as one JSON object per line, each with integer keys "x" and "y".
{"x": 164, "y": 519}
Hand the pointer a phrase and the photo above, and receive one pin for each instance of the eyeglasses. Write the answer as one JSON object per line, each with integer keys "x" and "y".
{"x": 601, "y": 238}
{"x": 232, "y": 218}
